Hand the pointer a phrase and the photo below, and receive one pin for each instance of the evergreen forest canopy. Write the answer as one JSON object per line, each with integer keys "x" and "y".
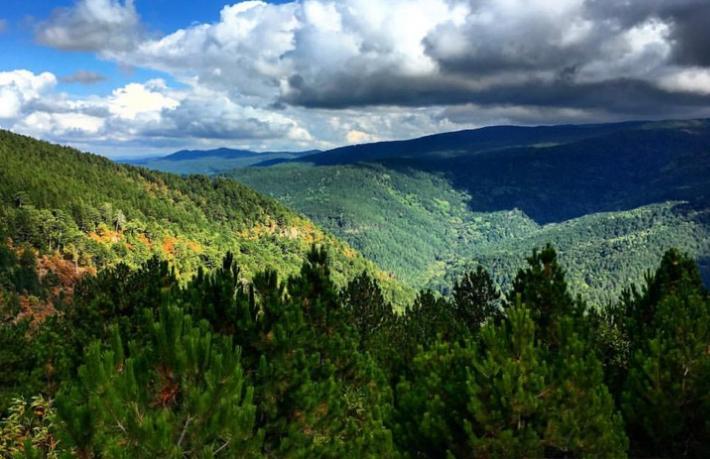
{"x": 611, "y": 198}
{"x": 138, "y": 364}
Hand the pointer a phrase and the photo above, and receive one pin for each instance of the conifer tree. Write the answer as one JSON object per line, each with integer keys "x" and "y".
{"x": 666, "y": 399}
{"x": 432, "y": 402}
{"x": 183, "y": 393}
{"x": 368, "y": 311}
{"x": 318, "y": 395}
{"x": 542, "y": 287}
{"x": 529, "y": 401}
{"x": 223, "y": 299}
{"x": 475, "y": 299}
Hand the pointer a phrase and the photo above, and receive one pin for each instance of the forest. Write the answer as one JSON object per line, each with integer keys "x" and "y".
{"x": 100, "y": 213}
{"x": 138, "y": 364}
{"x": 612, "y": 198}
{"x": 144, "y": 314}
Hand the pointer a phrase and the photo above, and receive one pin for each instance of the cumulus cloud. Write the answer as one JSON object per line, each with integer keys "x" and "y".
{"x": 148, "y": 113}
{"x": 83, "y": 77}
{"x": 19, "y": 88}
{"x": 326, "y": 72}
{"x": 358, "y": 53}
{"x": 92, "y": 25}
{"x": 146, "y": 101}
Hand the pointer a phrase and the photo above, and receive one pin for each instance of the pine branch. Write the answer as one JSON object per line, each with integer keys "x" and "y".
{"x": 221, "y": 448}
{"x": 184, "y": 430}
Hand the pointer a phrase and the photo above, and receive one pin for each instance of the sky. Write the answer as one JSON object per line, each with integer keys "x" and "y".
{"x": 141, "y": 77}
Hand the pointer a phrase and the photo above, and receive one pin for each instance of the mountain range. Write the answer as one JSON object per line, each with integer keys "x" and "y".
{"x": 600, "y": 193}
{"x": 212, "y": 161}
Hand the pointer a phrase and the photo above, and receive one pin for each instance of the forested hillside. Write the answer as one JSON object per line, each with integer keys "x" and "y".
{"x": 96, "y": 213}
{"x": 125, "y": 332}
{"x": 139, "y": 364}
{"x": 425, "y": 209}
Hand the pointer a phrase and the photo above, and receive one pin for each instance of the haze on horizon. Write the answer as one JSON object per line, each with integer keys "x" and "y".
{"x": 125, "y": 77}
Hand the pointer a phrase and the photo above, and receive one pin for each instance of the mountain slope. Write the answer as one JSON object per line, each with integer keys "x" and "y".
{"x": 595, "y": 192}
{"x": 99, "y": 213}
{"x": 556, "y": 173}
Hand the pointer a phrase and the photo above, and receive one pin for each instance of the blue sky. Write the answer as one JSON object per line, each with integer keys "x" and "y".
{"x": 125, "y": 78}
{"x": 18, "y": 47}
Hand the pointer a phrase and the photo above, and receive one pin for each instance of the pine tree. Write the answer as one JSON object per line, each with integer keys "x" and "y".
{"x": 529, "y": 401}
{"x": 368, "y": 311}
{"x": 666, "y": 399}
{"x": 223, "y": 299}
{"x": 431, "y": 402}
{"x": 543, "y": 288}
{"x": 182, "y": 393}
{"x": 475, "y": 299}
{"x": 318, "y": 396}
{"x": 507, "y": 390}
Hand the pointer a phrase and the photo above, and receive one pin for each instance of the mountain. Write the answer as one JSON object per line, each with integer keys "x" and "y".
{"x": 107, "y": 359}
{"x": 451, "y": 144}
{"x": 97, "y": 213}
{"x": 604, "y": 194}
{"x": 213, "y": 161}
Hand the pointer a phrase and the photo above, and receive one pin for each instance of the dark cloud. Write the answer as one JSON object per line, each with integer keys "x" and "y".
{"x": 603, "y": 56}
{"x": 689, "y": 21}
{"x": 691, "y": 31}
{"x": 83, "y": 77}
{"x": 625, "y": 96}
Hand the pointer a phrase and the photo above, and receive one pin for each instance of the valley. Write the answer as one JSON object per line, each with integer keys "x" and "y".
{"x": 600, "y": 194}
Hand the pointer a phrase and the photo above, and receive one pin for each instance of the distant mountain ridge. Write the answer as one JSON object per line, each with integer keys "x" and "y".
{"x": 462, "y": 142}
{"x": 213, "y": 161}
{"x": 553, "y": 173}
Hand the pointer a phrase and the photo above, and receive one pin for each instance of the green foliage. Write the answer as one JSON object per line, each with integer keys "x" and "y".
{"x": 666, "y": 396}
{"x": 529, "y": 402}
{"x": 432, "y": 402}
{"x": 513, "y": 394}
{"x": 475, "y": 299}
{"x": 181, "y": 393}
{"x": 428, "y": 230}
{"x": 225, "y": 366}
{"x": 27, "y": 430}
{"x": 100, "y": 214}
{"x": 368, "y": 312}
{"x": 542, "y": 287}
{"x": 319, "y": 395}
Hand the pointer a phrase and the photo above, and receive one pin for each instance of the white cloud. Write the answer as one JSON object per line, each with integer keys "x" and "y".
{"x": 320, "y": 73}
{"x": 149, "y": 113}
{"x": 356, "y": 136}
{"x": 20, "y": 87}
{"x": 692, "y": 80}
{"x": 61, "y": 124}
{"x": 336, "y": 54}
{"x": 92, "y": 25}
{"x": 141, "y": 100}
